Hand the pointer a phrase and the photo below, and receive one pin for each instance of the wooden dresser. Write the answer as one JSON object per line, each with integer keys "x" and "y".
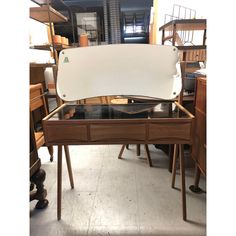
{"x": 199, "y": 143}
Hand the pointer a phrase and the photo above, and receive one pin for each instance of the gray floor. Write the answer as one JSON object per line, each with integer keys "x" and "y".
{"x": 117, "y": 197}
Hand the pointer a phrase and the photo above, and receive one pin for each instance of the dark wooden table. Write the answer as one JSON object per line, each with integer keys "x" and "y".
{"x": 162, "y": 122}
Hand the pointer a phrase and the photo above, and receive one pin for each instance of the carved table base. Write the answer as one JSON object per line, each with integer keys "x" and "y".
{"x": 40, "y": 193}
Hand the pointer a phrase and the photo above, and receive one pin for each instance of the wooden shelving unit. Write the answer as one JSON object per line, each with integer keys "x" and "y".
{"x": 48, "y": 47}
{"x": 173, "y": 30}
{"x": 46, "y": 14}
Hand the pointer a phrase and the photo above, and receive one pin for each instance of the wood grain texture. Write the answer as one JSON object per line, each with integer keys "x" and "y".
{"x": 199, "y": 142}
{"x": 106, "y": 132}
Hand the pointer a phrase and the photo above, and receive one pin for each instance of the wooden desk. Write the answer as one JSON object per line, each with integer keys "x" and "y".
{"x": 118, "y": 124}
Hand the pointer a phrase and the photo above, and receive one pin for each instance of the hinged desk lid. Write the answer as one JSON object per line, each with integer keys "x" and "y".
{"x": 119, "y": 69}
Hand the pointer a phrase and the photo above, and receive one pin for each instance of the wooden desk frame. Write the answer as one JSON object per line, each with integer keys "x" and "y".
{"x": 117, "y": 131}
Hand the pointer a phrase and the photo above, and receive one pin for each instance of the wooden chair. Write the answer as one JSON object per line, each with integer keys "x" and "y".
{"x": 39, "y": 110}
{"x": 149, "y": 160}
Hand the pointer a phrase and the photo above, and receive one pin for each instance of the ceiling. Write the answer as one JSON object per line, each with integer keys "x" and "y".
{"x": 126, "y": 5}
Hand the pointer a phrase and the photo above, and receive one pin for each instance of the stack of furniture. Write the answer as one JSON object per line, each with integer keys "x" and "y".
{"x": 38, "y": 103}
{"x": 45, "y": 14}
{"x": 176, "y": 29}
{"x": 37, "y": 175}
{"x": 179, "y": 32}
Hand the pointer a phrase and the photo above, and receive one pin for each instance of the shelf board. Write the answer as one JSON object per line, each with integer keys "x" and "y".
{"x": 58, "y": 47}
{"x": 185, "y": 24}
{"x": 41, "y": 47}
{"x": 42, "y": 14}
{"x": 44, "y": 65}
{"x": 40, "y": 2}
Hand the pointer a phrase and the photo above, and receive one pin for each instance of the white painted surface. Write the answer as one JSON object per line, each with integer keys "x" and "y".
{"x": 119, "y": 69}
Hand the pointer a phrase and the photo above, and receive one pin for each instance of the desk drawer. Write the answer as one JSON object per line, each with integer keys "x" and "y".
{"x": 66, "y": 133}
{"x": 170, "y": 132}
{"x": 117, "y": 132}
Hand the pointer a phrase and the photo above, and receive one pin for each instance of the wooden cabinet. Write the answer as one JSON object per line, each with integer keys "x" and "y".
{"x": 199, "y": 139}
{"x": 199, "y": 143}
{"x": 37, "y": 174}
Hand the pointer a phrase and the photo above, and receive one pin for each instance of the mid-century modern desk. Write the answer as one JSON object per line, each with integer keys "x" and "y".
{"x": 118, "y": 124}
{"x": 141, "y": 70}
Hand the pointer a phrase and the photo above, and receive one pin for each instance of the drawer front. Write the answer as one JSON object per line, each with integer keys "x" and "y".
{"x": 66, "y": 133}
{"x": 170, "y": 132}
{"x": 117, "y": 132}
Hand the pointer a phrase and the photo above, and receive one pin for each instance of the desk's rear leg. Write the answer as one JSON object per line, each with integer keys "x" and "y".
{"x": 175, "y": 155}
{"x": 67, "y": 154}
{"x": 148, "y": 155}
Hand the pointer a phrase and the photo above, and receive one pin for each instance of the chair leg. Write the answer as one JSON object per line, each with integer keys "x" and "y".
{"x": 50, "y": 150}
{"x": 148, "y": 155}
{"x": 175, "y": 155}
{"x": 121, "y": 151}
{"x": 67, "y": 154}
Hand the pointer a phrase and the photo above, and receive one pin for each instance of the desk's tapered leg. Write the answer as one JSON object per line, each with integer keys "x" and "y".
{"x": 175, "y": 154}
{"x": 138, "y": 149}
{"x": 59, "y": 181}
{"x": 148, "y": 155}
{"x": 121, "y": 151}
{"x": 182, "y": 173}
{"x": 67, "y": 154}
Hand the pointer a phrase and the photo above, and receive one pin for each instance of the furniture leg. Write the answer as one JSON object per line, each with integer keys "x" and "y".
{"x": 195, "y": 188}
{"x": 148, "y": 155}
{"x": 67, "y": 154}
{"x": 41, "y": 193}
{"x": 127, "y": 146}
{"x": 171, "y": 155}
{"x": 59, "y": 181}
{"x": 50, "y": 150}
{"x": 182, "y": 173}
{"x": 175, "y": 155}
{"x": 138, "y": 150}
{"x": 121, "y": 151}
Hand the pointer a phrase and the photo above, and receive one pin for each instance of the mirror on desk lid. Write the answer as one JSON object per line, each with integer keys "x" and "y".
{"x": 119, "y": 69}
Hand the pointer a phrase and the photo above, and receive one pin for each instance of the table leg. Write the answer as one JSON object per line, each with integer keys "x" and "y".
{"x": 67, "y": 154}
{"x": 174, "y": 165}
{"x": 59, "y": 181}
{"x": 195, "y": 188}
{"x": 182, "y": 173}
{"x": 170, "y": 154}
{"x": 148, "y": 155}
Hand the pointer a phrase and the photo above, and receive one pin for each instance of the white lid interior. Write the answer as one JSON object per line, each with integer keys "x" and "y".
{"x": 119, "y": 69}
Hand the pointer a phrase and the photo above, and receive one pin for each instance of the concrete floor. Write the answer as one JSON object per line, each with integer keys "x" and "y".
{"x": 117, "y": 197}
